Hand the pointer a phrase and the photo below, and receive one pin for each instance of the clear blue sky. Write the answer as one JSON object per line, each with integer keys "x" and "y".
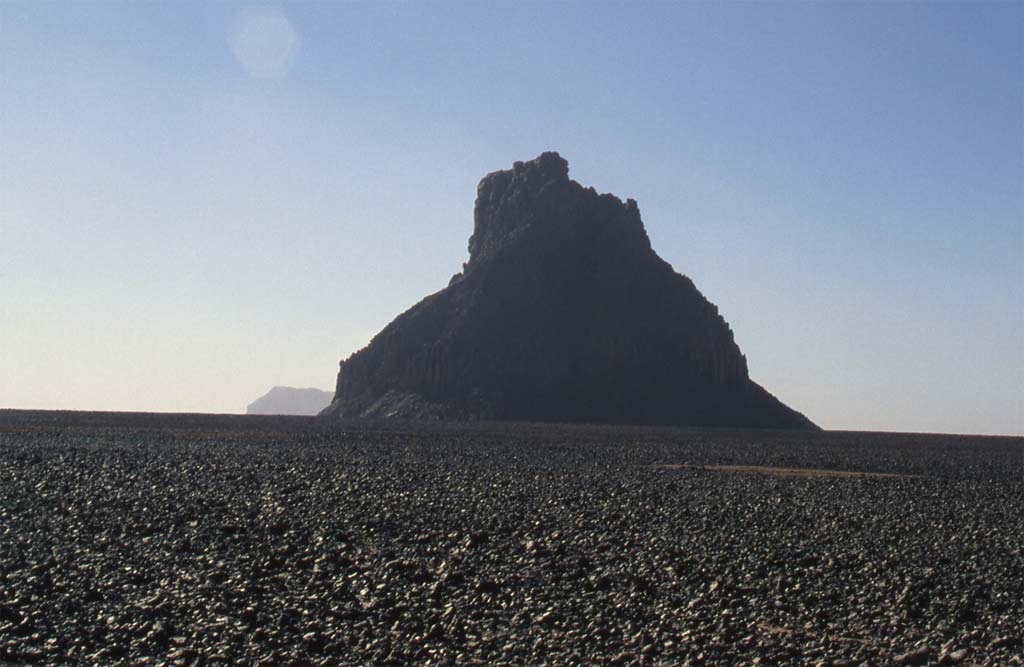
{"x": 200, "y": 201}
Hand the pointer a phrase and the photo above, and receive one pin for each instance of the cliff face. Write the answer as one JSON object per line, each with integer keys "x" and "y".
{"x": 563, "y": 313}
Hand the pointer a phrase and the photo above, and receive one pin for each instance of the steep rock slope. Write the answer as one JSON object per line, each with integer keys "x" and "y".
{"x": 563, "y": 312}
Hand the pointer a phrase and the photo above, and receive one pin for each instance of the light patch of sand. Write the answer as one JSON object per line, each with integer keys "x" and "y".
{"x": 778, "y": 630}
{"x": 784, "y": 472}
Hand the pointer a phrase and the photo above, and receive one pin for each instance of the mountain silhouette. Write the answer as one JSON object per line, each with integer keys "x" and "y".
{"x": 563, "y": 313}
{"x": 290, "y": 401}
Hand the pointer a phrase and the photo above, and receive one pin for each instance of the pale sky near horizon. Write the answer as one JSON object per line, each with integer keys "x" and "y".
{"x": 199, "y": 201}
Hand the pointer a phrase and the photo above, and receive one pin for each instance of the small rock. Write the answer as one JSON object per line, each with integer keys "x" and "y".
{"x": 10, "y": 615}
{"x": 918, "y": 656}
{"x": 953, "y": 657}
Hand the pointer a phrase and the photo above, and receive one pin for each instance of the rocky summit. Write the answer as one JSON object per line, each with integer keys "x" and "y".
{"x": 563, "y": 313}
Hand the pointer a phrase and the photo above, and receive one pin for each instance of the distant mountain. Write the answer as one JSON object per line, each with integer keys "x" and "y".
{"x": 290, "y": 401}
{"x": 563, "y": 313}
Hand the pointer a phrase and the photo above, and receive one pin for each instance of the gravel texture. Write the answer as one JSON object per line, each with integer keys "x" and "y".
{"x": 205, "y": 540}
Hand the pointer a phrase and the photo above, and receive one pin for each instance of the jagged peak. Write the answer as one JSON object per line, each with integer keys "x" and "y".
{"x": 547, "y": 167}
{"x": 549, "y": 164}
{"x": 509, "y": 201}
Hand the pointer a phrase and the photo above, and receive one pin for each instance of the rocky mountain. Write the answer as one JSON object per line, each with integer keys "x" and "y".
{"x": 290, "y": 401}
{"x": 563, "y": 313}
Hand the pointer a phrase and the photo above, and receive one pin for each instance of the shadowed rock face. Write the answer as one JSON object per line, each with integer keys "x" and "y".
{"x": 563, "y": 312}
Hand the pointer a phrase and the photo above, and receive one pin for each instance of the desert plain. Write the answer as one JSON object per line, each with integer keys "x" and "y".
{"x": 195, "y": 540}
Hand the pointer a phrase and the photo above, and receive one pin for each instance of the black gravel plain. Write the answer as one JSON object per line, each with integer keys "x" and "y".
{"x": 132, "y": 539}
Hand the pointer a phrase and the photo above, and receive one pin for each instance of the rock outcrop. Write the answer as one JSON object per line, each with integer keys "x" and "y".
{"x": 563, "y": 312}
{"x": 290, "y": 401}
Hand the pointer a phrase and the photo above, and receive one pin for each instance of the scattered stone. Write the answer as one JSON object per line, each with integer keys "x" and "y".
{"x": 918, "y": 656}
{"x": 953, "y": 657}
{"x": 517, "y": 544}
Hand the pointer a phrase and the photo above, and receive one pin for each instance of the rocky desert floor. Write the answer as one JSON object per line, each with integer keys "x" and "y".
{"x": 218, "y": 540}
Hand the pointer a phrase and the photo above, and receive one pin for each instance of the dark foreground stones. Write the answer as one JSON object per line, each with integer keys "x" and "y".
{"x": 183, "y": 540}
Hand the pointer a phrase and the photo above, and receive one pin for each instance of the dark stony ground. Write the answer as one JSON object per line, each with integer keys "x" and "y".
{"x": 198, "y": 540}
